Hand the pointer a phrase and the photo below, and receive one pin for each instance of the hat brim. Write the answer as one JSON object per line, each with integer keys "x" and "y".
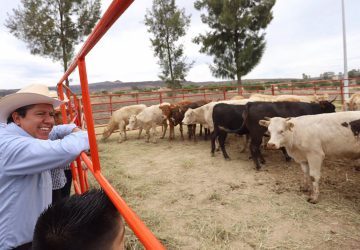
{"x": 10, "y": 103}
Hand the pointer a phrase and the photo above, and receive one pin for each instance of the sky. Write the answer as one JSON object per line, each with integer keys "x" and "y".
{"x": 305, "y": 36}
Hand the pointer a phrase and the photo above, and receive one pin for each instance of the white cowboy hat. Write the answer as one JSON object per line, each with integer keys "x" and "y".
{"x": 32, "y": 94}
{"x": 54, "y": 94}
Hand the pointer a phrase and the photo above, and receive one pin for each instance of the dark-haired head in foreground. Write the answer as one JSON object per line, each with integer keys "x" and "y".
{"x": 88, "y": 221}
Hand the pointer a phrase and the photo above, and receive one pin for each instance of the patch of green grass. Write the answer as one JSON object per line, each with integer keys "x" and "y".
{"x": 215, "y": 196}
{"x": 187, "y": 164}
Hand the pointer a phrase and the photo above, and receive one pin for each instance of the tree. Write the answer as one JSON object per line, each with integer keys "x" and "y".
{"x": 327, "y": 75}
{"x": 354, "y": 73}
{"x": 52, "y": 28}
{"x": 237, "y": 37}
{"x": 167, "y": 24}
{"x": 305, "y": 76}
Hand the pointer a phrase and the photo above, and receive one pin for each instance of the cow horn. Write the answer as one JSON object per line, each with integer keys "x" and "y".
{"x": 287, "y": 118}
{"x": 333, "y": 99}
{"x": 267, "y": 118}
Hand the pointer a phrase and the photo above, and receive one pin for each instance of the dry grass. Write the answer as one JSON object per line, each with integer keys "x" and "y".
{"x": 190, "y": 200}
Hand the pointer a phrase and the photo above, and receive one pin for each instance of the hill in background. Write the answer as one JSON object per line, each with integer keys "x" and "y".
{"x": 109, "y": 86}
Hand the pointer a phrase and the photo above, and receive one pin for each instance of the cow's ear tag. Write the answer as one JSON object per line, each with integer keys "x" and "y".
{"x": 264, "y": 123}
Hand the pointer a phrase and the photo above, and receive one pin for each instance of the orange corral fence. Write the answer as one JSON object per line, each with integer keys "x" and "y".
{"x": 114, "y": 11}
{"x": 103, "y": 105}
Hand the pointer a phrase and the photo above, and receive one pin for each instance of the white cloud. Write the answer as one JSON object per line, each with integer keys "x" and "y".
{"x": 304, "y": 37}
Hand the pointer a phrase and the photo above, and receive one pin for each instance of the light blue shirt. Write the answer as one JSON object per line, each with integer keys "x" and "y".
{"x": 25, "y": 182}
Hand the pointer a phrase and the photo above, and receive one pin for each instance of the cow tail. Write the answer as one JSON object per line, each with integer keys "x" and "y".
{"x": 245, "y": 115}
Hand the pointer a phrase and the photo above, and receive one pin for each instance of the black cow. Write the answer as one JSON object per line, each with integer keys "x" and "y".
{"x": 227, "y": 118}
{"x": 256, "y": 111}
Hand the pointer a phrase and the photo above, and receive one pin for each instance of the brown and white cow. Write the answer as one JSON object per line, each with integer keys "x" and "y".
{"x": 309, "y": 139}
{"x": 167, "y": 111}
{"x": 177, "y": 116}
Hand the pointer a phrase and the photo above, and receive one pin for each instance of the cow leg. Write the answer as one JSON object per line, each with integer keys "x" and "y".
{"x": 122, "y": 132}
{"x": 189, "y": 132}
{"x": 154, "y": 133}
{"x": 172, "y": 130}
{"x": 193, "y": 130}
{"x": 139, "y": 134}
{"x": 262, "y": 159}
{"x": 255, "y": 152}
{"x": 214, "y": 134}
{"x": 201, "y": 127}
{"x": 181, "y": 131}
{"x": 217, "y": 144}
{"x": 147, "y": 135}
{"x": 305, "y": 185}
{"x": 206, "y": 133}
{"x": 245, "y": 142}
{"x": 221, "y": 138}
{"x": 165, "y": 128}
{"x": 287, "y": 157}
{"x": 315, "y": 161}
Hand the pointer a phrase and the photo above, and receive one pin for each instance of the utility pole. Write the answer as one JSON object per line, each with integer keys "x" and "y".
{"x": 345, "y": 78}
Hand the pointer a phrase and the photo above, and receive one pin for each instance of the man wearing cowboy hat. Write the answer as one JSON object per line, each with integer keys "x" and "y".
{"x": 26, "y": 156}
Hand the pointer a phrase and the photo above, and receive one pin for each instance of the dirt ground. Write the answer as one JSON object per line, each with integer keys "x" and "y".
{"x": 191, "y": 200}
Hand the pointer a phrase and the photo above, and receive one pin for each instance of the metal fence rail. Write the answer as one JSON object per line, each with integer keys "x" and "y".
{"x": 104, "y": 105}
{"x": 115, "y": 10}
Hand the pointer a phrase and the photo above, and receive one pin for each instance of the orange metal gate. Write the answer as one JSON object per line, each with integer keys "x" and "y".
{"x": 114, "y": 11}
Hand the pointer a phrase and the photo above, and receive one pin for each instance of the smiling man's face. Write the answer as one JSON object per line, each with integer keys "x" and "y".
{"x": 38, "y": 121}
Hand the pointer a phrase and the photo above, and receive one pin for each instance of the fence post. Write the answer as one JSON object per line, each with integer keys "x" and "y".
{"x": 160, "y": 97}
{"x": 111, "y": 108}
{"x": 137, "y": 98}
{"x": 342, "y": 95}
{"x": 224, "y": 92}
{"x": 240, "y": 90}
{"x": 314, "y": 88}
{"x": 204, "y": 94}
{"x": 272, "y": 89}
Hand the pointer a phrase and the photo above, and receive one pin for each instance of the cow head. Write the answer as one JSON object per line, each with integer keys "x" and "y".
{"x": 165, "y": 111}
{"x": 327, "y": 106}
{"x": 278, "y": 128}
{"x": 106, "y": 133}
{"x": 189, "y": 117}
{"x": 176, "y": 115}
{"x": 132, "y": 122}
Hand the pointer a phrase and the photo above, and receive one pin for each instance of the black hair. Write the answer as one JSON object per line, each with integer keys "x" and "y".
{"x": 21, "y": 111}
{"x": 87, "y": 221}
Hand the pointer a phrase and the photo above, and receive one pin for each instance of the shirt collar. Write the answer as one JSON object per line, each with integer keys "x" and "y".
{"x": 16, "y": 129}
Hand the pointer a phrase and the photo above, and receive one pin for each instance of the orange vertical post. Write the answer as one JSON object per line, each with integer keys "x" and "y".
{"x": 88, "y": 113}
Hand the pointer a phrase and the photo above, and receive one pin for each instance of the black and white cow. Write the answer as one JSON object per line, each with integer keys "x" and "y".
{"x": 256, "y": 111}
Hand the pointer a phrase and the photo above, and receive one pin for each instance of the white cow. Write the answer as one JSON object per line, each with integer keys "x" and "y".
{"x": 149, "y": 118}
{"x": 119, "y": 119}
{"x": 354, "y": 101}
{"x": 308, "y": 139}
{"x": 203, "y": 114}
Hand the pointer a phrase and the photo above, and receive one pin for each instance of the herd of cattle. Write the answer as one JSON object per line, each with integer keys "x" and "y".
{"x": 305, "y": 128}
